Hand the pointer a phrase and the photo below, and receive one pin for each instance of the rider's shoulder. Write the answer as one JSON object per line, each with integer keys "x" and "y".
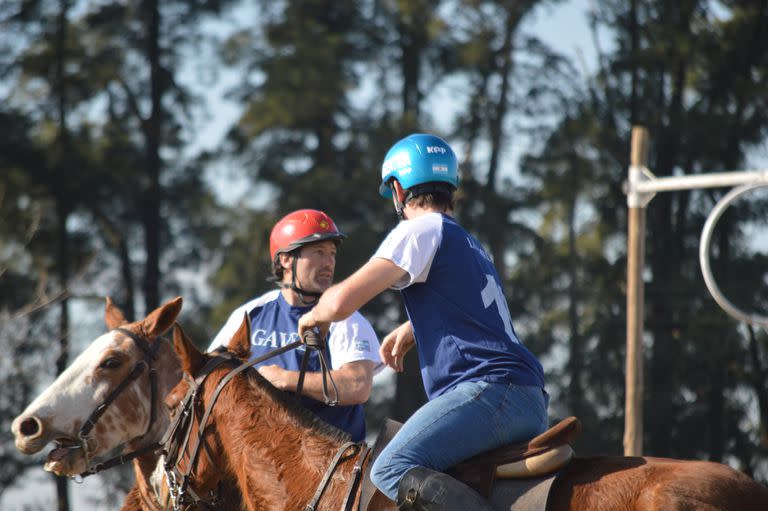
{"x": 255, "y": 303}
{"x": 423, "y": 224}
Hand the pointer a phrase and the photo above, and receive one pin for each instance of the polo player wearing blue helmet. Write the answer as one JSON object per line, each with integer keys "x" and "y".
{"x": 485, "y": 388}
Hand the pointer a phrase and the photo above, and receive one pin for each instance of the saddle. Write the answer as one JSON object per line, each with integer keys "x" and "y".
{"x": 542, "y": 455}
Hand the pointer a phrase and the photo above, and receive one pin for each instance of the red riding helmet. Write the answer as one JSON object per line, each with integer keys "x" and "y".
{"x": 299, "y": 228}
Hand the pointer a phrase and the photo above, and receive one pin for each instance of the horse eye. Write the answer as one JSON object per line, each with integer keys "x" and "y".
{"x": 110, "y": 363}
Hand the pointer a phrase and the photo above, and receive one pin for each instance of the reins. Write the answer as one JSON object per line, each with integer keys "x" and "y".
{"x": 313, "y": 341}
{"x": 361, "y": 449}
{"x": 150, "y": 355}
{"x": 174, "y": 447}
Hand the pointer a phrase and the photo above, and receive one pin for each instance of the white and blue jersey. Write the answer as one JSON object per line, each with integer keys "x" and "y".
{"x": 454, "y": 299}
{"x": 274, "y": 323}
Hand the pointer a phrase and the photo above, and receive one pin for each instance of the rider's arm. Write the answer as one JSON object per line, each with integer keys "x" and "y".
{"x": 396, "y": 344}
{"x": 344, "y": 298}
{"x": 353, "y": 380}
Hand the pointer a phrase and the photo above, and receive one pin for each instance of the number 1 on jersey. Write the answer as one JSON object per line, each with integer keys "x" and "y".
{"x": 491, "y": 293}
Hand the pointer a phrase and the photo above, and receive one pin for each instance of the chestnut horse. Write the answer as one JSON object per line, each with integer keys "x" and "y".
{"x": 278, "y": 454}
{"x": 125, "y": 374}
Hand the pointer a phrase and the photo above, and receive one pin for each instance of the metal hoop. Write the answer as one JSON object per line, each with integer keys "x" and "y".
{"x": 704, "y": 241}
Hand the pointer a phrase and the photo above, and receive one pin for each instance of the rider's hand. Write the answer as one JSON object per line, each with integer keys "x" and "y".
{"x": 396, "y": 344}
{"x": 277, "y": 376}
{"x": 308, "y": 322}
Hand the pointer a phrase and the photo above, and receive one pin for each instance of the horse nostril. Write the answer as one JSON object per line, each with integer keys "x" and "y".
{"x": 30, "y": 427}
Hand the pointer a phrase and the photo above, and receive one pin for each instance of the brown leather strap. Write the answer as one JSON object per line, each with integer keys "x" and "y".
{"x": 357, "y": 471}
{"x": 328, "y": 473}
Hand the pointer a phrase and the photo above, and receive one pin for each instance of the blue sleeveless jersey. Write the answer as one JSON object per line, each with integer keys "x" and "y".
{"x": 274, "y": 323}
{"x": 457, "y": 307}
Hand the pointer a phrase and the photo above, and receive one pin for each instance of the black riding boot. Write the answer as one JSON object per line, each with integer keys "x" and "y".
{"x": 422, "y": 489}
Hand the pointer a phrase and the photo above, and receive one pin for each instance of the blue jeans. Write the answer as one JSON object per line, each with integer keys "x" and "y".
{"x": 472, "y": 418}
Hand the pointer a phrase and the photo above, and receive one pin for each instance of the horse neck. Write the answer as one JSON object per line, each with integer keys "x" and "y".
{"x": 151, "y": 494}
{"x": 277, "y": 455}
{"x": 147, "y": 493}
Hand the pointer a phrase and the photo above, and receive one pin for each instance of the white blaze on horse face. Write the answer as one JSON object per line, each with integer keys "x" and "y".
{"x": 62, "y": 409}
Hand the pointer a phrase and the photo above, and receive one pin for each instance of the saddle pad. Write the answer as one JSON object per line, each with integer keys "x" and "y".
{"x": 521, "y": 494}
{"x": 386, "y": 433}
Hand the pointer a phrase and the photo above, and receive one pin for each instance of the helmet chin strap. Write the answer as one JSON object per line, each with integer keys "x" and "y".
{"x": 307, "y": 297}
{"x": 399, "y": 206}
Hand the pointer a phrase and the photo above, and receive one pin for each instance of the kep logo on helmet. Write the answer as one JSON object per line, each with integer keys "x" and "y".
{"x": 419, "y": 158}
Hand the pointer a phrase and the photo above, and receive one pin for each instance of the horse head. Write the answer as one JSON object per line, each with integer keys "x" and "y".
{"x": 197, "y": 459}
{"x": 109, "y": 396}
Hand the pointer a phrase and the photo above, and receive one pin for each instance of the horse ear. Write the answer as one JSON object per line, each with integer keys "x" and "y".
{"x": 113, "y": 316}
{"x": 162, "y": 318}
{"x": 240, "y": 344}
{"x": 190, "y": 357}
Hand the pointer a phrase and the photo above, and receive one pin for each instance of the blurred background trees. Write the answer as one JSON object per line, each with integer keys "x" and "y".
{"x": 110, "y": 184}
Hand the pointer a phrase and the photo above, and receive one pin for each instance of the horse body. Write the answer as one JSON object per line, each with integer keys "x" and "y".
{"x": 59, "y": 413}
{"x": 278, "y": 455}
{"x": 654, "y": 484}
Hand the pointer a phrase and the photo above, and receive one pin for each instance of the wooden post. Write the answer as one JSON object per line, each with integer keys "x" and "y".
{"x": 633, "y": 405}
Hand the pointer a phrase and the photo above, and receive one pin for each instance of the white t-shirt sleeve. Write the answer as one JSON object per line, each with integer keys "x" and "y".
{"x": 412, "y": 246}
{"x": 236, "y": 319}
{"x": 228, "y": 330}
{"x": 351, "y": 340}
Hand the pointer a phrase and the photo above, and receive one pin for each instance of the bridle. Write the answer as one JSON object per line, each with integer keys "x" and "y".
{"x": 179, "y": 433}
{"x": 177, "y": 438}
{"x": 150, "y": 351}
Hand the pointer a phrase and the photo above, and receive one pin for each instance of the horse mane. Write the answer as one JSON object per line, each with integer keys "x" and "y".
{"x": 287, "y": 400}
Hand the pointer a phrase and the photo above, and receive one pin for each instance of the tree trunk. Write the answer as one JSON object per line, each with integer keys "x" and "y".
{"x": 575, "y": 356}
{"x": 495, "y": 212}
{"x": 667, "y": 251}
{"x": 759, "y": 382}
{"x": 117, "y": 241}
{"x": 151, "y": 202}
{"x": 413, "y": 39}
{"x": 634, "y": 37}
{"x": 62, "y": 214}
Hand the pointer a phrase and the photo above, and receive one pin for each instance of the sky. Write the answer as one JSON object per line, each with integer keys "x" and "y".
{"x": 564, "y": 27}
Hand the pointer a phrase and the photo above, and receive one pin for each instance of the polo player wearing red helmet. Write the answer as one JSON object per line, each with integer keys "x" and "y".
{"x": 302, "y": 249}
{"x": 316, "y": 230}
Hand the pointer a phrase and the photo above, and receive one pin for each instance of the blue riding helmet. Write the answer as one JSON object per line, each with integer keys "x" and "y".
{"x": 419, "y": 158}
